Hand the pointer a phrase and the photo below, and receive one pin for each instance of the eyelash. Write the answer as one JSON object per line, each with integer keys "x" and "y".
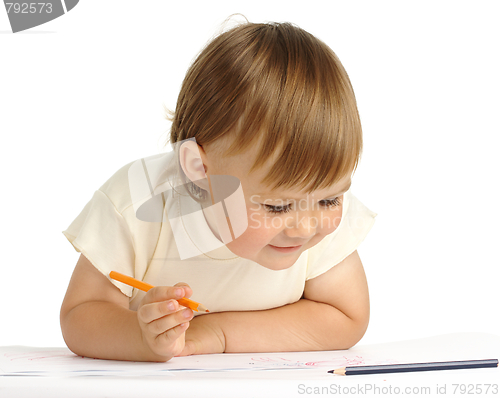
{"x": 285, "y": 209}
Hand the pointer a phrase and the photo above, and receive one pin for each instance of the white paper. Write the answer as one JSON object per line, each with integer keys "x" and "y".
{"x": 22, "y": 360}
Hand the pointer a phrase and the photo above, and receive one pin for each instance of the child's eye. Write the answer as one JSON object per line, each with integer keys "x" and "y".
{"x": 277, "y": 209}
{"x": 331, "y": 202}
{"x": 328, "y": 203}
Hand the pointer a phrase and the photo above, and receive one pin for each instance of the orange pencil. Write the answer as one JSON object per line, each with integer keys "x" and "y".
{"x": 128, "y": 280}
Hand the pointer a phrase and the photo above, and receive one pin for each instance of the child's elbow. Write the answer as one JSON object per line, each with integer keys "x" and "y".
{"x": 358, "y": 330}
{"x": 353, "y": 332}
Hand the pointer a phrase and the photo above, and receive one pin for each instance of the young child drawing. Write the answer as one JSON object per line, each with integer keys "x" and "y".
{"x": 271, "y": 105}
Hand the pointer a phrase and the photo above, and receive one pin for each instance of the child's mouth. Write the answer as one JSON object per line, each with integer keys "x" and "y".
{"x": 289, "y": 249}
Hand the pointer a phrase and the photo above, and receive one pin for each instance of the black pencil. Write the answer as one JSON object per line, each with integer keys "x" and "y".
{"x": 415, "y": 367}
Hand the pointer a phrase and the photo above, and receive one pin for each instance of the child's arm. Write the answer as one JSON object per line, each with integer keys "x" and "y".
{"x": 96, "y": 321}
{"x": 332, "y": 315}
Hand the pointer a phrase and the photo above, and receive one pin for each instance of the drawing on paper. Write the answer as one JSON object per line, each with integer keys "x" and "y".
{"x": 334, "y": 362}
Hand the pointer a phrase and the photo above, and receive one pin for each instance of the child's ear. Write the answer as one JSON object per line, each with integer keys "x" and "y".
{"x": 192, "y": 164}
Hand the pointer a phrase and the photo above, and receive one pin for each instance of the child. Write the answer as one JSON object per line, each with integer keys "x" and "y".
{"x": 270, "y": 105}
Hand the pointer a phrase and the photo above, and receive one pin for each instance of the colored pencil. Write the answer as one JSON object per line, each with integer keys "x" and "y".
{"x": 128, "y": 280}
{"x": 415, "y": 367}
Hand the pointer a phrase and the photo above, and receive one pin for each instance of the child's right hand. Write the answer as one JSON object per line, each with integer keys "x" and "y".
{"x": 163, "y": 325}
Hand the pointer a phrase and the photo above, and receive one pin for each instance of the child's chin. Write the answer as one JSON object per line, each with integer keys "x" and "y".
{"x": 278, "y": 267}
{"x": 270, "y": 259}
{"x": 277, "y": 264}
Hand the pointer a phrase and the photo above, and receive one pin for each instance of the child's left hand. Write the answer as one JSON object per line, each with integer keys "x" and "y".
{"x": 203, "y": 336}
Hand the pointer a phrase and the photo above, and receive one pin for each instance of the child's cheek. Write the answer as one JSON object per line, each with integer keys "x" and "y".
{"x": 254, "y": 238}
{"x": 331, "y": 222}
{"x": 254, "y": 218}
{"x": 261, "y": 223}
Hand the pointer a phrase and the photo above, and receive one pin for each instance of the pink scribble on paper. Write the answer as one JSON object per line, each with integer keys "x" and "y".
{"x": 284, "y": 362}
{"x": 53, "y": 357}
{"x": 335, "y": 362}
{"x": 357, "y": 360}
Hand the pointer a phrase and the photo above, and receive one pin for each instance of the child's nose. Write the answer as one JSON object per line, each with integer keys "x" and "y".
{"x": 302, "y": 226}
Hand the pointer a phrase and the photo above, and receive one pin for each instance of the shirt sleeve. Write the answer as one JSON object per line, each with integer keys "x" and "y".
{"x": 357, "y": 221}
{"x": 102, "y": 235}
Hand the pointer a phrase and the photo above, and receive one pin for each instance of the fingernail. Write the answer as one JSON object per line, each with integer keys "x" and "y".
{"x": 171, "y": 306}
{"x": 179, "y": 292}
{"x": 186, "y": 313}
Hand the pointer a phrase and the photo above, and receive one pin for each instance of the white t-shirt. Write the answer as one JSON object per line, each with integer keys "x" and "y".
{"x": 110, "y": 235}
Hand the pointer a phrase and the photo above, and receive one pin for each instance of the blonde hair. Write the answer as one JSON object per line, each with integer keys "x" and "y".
{"x": 276, "y": 84}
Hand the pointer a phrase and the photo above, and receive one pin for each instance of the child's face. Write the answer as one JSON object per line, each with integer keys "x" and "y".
{"x": 304, "y": 219}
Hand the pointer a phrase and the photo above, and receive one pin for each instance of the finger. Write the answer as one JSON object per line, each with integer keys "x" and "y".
{"x": 147, "y": 313}
{"x": 168, "y": 337}
{"x": 187, "y": 289}
{"x": 189, "y": 349}
{"x": 163, "y": 293}
{"x": 162, "y": 325}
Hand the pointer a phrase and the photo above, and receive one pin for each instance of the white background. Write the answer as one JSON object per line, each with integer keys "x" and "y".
{"x": 82, "y": 95}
